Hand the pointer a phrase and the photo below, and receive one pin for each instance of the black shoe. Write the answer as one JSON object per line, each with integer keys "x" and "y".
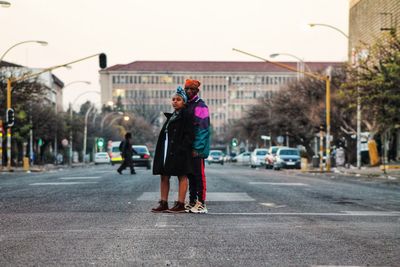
{"x": 120, "y": 172}
{"x": 133, "y": 173}
{"x": 163, "y": 206}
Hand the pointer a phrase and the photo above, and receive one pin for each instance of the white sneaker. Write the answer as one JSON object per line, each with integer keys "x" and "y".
{"x": 189, "y": 206}
{"x": 199, "y": 208}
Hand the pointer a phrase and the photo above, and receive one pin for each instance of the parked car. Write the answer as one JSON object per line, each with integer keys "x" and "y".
{"x": 270, "y": 157}
{"x": 287, "y": 158}
{"x": 141, "y": 156}
{"x": 216, "y": 156}
{"x": 257, "y": 157}
{"x": 101, "y": 157}
{"x": 243, "y": 158}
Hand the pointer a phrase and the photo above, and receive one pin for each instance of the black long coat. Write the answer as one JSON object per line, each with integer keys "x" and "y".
{"x": 178, "y": 161}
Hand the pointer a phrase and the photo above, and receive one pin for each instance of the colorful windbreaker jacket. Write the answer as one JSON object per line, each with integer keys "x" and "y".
{"x": 201, "y": 121}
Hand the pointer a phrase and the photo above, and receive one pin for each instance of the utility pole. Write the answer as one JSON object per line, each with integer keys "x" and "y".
{"x": 70, "y": 135}
{"x": 85, "y": 133}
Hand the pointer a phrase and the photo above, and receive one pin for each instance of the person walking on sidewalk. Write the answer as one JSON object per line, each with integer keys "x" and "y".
{"x": 126, "y": 152}
{"x": 198, "y": 110}
{"x": 173, "y": 153}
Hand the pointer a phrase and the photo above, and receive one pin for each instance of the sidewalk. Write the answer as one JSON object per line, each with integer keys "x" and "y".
{"x": 391, "y": 172}
{"x": 44, "y": 168}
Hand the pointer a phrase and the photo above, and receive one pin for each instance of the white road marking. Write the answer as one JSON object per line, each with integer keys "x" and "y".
{"x": 272, "y": 205}
{"x": 280, "y": 184}
{"x": 336, "y": 266}
{"x": 346, "y": 214}
{"x": 211, "y": 196}
{"x": 64, "y": 183}
{"x": 80, "y": 177}
{"x": 161, "y": 222}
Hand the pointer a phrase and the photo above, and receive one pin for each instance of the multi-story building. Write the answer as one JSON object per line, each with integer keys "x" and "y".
{"x": 229, "y": 88}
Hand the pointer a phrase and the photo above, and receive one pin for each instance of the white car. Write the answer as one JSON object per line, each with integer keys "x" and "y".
{"x": 101, "y": 157}
{"x": 216, "y": 156}
{"x": 243, "y": 158}
{"x": 257, "y": 157}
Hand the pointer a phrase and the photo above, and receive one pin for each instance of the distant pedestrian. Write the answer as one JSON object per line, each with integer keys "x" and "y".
{"x": 126, "y": 152}
{"x": 198, "y": 110}
{"x": 173, "y": 153}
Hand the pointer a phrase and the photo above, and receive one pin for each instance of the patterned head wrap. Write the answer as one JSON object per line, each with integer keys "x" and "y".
{"x": 180, "y": 92}
{"x": 192, "y": 84}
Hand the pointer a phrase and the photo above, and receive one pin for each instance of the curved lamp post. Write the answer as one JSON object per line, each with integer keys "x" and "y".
{"x": 20, "y": 43}
{"x": 329, "y": 26}
{"x": 358, "y": 97}
{"x": 5, "y": 4}
{"x": 70, "y": 116}
{"x": 70, "y": 113}
{"x": 301, "y": 63}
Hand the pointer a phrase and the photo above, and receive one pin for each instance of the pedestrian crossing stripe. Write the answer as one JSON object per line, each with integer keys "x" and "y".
{"x": 64, "y": 183}
{"x": 80, "y": 177}
{"x": 278, "y": 184}
{"x": 211, "y": 196}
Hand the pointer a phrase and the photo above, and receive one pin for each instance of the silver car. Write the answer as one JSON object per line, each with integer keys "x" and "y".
{"x": 287, "y": 158}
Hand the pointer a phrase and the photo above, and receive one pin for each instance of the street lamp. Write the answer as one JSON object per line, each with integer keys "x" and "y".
{"x": 329, "y": 26}
{"x": 70, "y": 116}
{"x": 85, "y": 133}
{"x": 5, "y": 4}
{"x": 24, "y": 42}
{"x": 9, "y": 95}
{"x": 358, "y": 96}
{"x": 300, "y": 65}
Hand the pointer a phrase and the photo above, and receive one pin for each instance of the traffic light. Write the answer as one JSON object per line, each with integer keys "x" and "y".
{"x": 10, "y": 117}
{"x": 100, "y": 142}
{"x": 235, "y": 142}
{"x": 103, "y": 61}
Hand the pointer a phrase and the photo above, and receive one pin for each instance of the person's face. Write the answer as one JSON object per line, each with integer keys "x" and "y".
{"x": 191, "y": 92}
{"x": 177, "y": 102}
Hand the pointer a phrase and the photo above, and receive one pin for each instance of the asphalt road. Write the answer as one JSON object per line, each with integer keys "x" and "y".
{"x": 257, "y": 217}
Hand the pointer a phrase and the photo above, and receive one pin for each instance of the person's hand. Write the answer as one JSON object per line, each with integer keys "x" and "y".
{"x": 195, "y": 154}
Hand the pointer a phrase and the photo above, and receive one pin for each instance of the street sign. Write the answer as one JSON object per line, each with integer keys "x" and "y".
{"x": 280, "y": 139}
{"x": 265, "y": 137}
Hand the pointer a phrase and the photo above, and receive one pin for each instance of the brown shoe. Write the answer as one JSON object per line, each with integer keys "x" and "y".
{"x": 179, "y": 207}
{"x": 163, "y": 206}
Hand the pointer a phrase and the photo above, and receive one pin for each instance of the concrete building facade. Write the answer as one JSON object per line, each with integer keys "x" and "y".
{"x": 367, "y": 21}
{"x": 229, "y": 88}
{"x": 369, "y": 18}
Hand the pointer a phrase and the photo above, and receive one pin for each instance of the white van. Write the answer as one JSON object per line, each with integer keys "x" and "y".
{"x": 114, "y": 153}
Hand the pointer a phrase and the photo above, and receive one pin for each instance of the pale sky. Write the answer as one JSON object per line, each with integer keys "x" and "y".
{"x": 130, "y": 30}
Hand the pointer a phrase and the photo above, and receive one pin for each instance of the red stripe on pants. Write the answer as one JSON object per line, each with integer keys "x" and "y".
{"x": 203, "y": 180}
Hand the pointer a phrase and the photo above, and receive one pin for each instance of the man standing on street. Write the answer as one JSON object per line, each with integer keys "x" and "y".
{"x": 126, "y": 152}
{"x": 198, "y": 110}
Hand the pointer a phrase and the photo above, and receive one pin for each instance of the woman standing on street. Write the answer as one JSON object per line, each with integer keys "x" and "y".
{"x": 173, "y": 153}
